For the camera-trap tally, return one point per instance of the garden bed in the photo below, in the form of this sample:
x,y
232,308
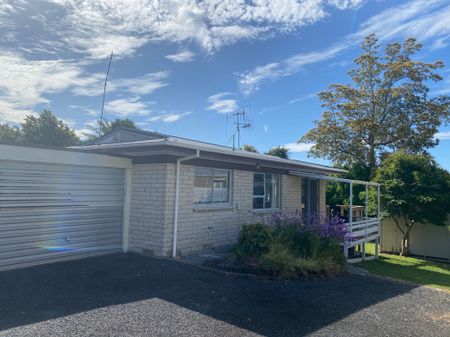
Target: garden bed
x,y
287,247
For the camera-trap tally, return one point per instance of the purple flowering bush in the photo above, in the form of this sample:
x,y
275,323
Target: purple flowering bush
x,y
332,227
299,244
335,228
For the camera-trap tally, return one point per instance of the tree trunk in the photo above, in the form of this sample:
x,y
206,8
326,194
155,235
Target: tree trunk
x,y
372,160
405,245
404,249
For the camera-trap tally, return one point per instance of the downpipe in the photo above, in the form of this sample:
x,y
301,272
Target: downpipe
x,y
177,199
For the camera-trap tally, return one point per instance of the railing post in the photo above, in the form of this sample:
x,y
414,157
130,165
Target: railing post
x,y
350,216
366,217
377,241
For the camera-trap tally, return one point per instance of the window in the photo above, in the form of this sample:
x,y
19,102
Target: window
x,y
266,189
211,185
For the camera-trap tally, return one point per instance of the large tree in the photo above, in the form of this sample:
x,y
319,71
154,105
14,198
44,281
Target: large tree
x,y
10,134
279,151
414,189
106,126
386,108
46,129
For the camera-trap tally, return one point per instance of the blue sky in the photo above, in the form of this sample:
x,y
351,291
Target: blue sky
x,y
181,67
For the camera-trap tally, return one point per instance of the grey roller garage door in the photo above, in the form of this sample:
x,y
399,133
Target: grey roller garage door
x,y
52,212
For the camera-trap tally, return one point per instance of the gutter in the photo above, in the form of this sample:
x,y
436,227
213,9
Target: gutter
x,y
177,199
193,145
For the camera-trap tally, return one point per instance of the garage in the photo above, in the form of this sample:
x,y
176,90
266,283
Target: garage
x,y
57,205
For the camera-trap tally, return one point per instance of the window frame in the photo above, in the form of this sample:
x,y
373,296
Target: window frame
x,y
211,202
276,186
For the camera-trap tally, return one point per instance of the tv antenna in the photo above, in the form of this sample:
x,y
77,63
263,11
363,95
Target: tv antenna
x,y
104,90
241,123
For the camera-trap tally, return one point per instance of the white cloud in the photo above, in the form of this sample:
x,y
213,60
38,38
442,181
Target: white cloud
x,y
222,103
168,117
183,56
84,133
97,27
444,135
345,4
424,19
124,107
139,85
303,98
27,83
298,147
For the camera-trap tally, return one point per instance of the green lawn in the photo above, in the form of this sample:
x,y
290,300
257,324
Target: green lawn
x,y
433,274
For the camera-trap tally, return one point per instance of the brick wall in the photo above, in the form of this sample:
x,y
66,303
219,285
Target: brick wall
x,y
199,226
148,226
203,226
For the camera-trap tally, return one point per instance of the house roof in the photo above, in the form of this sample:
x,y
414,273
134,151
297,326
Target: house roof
x,y
144,146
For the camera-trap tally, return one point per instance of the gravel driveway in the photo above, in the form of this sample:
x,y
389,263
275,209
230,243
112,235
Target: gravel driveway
x,y
132,295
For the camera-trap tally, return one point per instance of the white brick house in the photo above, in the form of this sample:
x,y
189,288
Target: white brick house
x,y
188,195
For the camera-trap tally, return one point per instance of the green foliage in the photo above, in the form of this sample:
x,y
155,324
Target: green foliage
x,y
44,129
254,240
430,273
108,126
249,148
279,151
386,109
309,245
414,189
338,193
279,261
289,253
10,134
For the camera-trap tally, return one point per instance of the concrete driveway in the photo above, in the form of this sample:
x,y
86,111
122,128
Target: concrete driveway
x,y
131,295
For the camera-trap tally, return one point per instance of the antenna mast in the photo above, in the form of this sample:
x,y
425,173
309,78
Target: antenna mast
x,y
104,90
240,123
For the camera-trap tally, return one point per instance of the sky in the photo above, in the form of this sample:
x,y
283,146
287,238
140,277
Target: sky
x,y
184,67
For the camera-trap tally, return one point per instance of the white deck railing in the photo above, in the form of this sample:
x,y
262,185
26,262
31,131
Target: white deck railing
x,y
363,231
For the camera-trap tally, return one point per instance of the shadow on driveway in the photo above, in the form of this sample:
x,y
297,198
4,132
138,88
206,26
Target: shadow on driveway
x,y
271,308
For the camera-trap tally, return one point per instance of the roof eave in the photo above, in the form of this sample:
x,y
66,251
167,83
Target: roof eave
x,y
187,144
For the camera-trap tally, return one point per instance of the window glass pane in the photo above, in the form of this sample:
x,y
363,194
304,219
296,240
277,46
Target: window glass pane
x,y
269,191
258,203
203,183
258,184
220,185
276,191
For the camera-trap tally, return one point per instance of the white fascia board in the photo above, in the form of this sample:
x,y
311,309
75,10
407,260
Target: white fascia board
x,y
194,145
241,153
67,157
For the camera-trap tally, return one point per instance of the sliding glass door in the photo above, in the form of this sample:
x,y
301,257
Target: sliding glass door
x,y
310,196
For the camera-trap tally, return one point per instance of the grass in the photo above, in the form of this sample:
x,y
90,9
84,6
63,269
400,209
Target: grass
x,y
411,269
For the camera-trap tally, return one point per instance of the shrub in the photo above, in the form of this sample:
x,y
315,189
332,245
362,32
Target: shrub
x,y
335,228
308,267
253,241
301,243
279,261
331,250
